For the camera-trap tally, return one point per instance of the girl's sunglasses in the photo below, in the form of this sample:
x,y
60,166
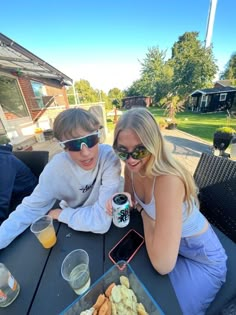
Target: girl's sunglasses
x,y
76,144
138,153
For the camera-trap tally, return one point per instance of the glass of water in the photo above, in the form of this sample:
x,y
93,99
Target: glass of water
x,y
75,270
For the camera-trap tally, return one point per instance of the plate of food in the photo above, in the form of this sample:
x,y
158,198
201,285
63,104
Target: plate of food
x,y
117,292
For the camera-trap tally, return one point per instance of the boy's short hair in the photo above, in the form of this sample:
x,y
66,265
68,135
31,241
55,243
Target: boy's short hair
x,y
72,119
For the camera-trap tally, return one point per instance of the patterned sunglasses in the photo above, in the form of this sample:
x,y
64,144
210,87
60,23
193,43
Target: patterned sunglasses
x,y
138,153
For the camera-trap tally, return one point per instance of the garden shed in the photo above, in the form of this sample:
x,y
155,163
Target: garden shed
x,y
136,101
218,98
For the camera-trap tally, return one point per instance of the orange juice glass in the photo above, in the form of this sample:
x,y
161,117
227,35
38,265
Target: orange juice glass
x,y
44,230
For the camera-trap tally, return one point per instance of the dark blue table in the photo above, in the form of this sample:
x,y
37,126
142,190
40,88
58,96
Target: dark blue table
x,y
44,291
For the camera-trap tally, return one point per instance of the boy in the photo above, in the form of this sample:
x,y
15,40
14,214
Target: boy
x,y
82,178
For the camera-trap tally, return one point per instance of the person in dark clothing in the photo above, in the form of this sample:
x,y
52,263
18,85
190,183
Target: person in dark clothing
x,y
16,179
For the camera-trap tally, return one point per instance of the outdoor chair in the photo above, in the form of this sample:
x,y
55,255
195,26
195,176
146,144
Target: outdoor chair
x,y
35,160
216,179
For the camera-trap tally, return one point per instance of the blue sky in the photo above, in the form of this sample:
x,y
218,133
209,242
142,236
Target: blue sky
x,y
102,41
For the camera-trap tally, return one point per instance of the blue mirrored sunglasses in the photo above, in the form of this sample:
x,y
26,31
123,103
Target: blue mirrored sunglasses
x,y
76,144
138,153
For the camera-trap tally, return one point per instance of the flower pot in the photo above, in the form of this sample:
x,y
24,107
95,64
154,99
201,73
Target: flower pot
x,y
221,140
171,126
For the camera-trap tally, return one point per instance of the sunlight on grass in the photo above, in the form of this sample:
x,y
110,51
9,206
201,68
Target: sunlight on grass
x,y
197,124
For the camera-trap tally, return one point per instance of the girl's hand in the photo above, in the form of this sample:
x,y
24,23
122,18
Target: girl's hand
x,y
54,213
109,202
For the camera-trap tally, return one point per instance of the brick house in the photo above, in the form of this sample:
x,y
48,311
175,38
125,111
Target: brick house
x,y
32,92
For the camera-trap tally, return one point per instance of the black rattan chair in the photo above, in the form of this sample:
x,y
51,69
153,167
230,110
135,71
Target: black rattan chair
x,y
35,160
216,179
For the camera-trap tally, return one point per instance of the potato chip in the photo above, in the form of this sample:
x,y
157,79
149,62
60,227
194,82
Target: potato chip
x,y
116,294
119,299
125,281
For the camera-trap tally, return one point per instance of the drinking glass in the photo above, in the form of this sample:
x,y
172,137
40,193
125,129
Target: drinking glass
x,y
75,270
44,230
9,287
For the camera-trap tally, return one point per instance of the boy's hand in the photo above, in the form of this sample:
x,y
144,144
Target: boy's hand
x,y
54,213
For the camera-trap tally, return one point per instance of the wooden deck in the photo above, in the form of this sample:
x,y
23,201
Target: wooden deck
x,y
50,145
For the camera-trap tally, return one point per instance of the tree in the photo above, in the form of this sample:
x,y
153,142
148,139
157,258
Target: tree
x,y
156,73
156,76
194,65
230,69
172,106
115,95
138,88
85,92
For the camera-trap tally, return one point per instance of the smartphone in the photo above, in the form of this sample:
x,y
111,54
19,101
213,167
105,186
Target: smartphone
x,y
127,247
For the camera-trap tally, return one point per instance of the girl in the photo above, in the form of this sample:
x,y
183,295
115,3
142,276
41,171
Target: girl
x,y
179,240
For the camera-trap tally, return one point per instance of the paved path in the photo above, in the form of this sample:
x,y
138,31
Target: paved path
x,y
185,147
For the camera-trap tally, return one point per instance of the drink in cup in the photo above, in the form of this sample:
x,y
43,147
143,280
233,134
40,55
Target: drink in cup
x,y
120,210
9,287
75,270
44,230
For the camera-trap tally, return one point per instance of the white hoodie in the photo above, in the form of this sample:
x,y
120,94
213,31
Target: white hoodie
x,y
82,193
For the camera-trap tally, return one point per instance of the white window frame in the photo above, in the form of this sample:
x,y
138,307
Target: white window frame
x,y
204,100
223,97
39,90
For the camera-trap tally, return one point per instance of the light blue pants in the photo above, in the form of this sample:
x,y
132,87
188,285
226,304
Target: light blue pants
x,y
199,273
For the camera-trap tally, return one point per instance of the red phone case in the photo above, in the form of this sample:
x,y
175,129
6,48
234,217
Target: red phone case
x,y
132,255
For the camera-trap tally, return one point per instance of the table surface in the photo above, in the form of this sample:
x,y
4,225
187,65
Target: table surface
x,y
38,270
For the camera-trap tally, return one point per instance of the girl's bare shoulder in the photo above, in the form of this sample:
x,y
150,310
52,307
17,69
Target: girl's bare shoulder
x,y
169,183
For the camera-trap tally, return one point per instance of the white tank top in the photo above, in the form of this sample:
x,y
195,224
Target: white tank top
x,y
192,223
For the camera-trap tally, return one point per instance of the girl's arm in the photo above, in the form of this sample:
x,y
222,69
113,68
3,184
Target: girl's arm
x,y
162,236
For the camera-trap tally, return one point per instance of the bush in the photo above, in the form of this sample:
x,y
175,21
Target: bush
x,y
222,137
162,123
227,130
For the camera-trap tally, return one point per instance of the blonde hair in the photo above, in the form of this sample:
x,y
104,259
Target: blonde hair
x,y
161,162
72,119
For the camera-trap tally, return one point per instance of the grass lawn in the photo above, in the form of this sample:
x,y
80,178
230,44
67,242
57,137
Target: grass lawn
x,y
197,124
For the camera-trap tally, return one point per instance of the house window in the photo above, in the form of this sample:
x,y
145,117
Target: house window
x,y
11,99
223,97
204,100
39,91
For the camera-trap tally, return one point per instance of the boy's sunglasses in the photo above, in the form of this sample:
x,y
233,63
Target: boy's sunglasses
x,y
76,144
138,153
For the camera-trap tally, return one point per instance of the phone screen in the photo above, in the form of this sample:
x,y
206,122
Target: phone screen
x,y
127,247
